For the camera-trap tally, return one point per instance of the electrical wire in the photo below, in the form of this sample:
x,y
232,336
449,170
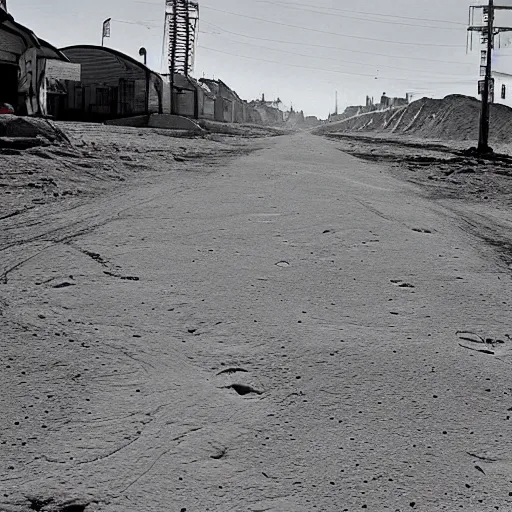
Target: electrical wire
x,y
333,70
361,38
334,59
298,7
331,9
312,45
394,16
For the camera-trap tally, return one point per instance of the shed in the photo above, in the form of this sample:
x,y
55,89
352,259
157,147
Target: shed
x,y
113,85
23,63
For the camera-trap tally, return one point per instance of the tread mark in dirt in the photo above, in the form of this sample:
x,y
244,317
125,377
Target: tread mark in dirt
x,y
104,263
107,455
63,285
485,459
478,468
401,284
95,256
13,214
231,371
374,210
123,278
426,231
483,351
244,390
282,264
476,338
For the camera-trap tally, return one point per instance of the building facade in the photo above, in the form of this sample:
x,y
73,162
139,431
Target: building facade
x,y
30,69
113,85
229,108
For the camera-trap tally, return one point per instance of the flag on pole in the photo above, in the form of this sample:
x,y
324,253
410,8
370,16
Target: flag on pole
x,y
106,28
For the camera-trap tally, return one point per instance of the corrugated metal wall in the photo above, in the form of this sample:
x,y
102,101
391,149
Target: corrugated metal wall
x,y
112,85
11,46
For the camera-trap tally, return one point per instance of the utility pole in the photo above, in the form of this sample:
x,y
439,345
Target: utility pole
x,y
489,31
483,139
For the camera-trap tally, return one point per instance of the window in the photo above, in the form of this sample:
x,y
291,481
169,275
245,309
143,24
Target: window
x,y
503,92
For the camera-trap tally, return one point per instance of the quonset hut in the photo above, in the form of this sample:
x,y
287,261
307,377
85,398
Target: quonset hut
x,y
113,85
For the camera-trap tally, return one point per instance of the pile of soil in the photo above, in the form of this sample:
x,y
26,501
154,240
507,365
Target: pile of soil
x,y
245,130
454,118
26,128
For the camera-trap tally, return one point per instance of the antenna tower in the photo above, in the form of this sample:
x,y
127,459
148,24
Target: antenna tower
x,y
181,29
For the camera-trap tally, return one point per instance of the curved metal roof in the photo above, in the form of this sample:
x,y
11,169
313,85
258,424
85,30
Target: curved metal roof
x,y
117,53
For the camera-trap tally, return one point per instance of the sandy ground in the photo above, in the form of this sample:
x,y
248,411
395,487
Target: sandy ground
x,y
288,329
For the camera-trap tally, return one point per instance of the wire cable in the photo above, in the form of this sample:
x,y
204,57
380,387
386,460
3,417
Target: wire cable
x,y
312,45
303,8
334,59
334,70
394,16
361,38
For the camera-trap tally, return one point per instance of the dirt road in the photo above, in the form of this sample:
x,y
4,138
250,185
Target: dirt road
x,y
279,333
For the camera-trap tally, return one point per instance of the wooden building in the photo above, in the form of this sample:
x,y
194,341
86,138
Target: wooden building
x,y
29,69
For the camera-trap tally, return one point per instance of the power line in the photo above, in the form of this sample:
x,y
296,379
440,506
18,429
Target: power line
x,y
335,47
369,13
334,59
148,25
404,43
298,7
333,70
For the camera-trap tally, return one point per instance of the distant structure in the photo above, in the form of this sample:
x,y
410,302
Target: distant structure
x,y
268,112
386,102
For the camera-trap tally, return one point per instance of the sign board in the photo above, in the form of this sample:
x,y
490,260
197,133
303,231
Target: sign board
x,y
60,70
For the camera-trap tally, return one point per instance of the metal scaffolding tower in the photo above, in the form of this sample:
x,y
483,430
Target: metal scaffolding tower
x,y
181,29
181,25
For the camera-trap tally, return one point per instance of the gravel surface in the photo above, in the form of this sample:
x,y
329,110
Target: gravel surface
x,y
287,328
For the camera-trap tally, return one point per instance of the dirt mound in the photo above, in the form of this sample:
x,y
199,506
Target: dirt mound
x,y
28,127
454,118
242,130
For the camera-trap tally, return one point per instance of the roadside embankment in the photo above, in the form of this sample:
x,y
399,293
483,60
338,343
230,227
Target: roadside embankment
x,y
454,118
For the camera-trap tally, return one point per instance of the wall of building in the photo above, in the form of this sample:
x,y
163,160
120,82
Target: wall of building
x,y
112,85
502,64
23,59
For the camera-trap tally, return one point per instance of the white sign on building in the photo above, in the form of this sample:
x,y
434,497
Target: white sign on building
x,y
60,70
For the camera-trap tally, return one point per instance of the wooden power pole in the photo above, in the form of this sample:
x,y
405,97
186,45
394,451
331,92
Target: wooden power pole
x,y
483,139
488,32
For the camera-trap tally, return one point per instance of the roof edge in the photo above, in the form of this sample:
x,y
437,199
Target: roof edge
x,y
117,53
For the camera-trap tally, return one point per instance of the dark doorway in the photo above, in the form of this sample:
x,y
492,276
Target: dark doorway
x,y
9,84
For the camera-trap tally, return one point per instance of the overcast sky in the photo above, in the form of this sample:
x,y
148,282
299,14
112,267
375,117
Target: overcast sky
x,y
301,53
